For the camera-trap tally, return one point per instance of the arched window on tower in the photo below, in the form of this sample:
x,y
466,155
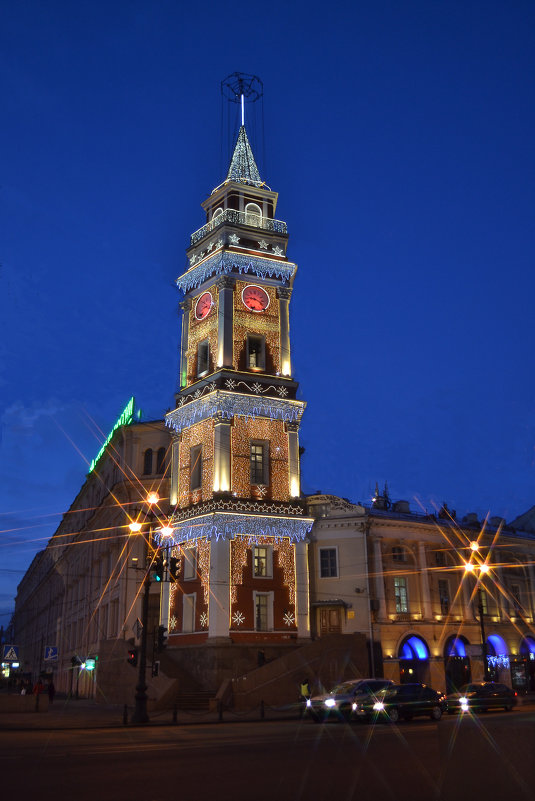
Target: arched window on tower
x,y
253,214
160,461
147,462
216,216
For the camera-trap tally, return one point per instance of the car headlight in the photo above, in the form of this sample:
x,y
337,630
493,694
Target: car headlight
x,y
464,707
354,706
309,702
463,700
330,702
378,706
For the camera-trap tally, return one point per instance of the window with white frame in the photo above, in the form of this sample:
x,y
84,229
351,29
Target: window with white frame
x,y
398,554
256,352
259,461
262,561
188,612
400,594
328,563
190,564
261,611
253,214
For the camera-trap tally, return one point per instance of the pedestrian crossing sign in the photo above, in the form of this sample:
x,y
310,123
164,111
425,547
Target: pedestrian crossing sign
x,y
51,653
11,653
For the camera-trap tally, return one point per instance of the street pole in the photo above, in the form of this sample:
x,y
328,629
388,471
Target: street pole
x,y
483,636
140,712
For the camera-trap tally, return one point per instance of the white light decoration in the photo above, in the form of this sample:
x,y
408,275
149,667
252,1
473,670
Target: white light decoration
x,y
238,618
229,404
233,239
263,245
222,525
289,618
226,263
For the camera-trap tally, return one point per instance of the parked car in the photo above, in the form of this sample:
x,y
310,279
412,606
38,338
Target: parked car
x,y
339,702
402,701
481,696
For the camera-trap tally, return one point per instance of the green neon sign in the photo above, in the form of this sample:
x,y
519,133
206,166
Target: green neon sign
x,y
126,417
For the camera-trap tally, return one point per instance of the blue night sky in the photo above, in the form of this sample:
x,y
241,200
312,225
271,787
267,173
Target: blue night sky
x,y
400,138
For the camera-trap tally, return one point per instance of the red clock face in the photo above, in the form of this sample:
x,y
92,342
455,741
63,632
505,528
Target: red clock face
x,y
204,304
255,298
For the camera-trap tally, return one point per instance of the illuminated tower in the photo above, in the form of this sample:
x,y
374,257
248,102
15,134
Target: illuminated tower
x,y
238,521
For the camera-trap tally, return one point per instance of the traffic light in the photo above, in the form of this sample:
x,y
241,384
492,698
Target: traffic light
x,y
132,657
173,568
162,638
158,568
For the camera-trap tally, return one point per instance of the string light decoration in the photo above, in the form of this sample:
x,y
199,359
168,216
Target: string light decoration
x,y
222,525
272,431
203,566
286,560
202,434
229,404
238,560
200,330
227,263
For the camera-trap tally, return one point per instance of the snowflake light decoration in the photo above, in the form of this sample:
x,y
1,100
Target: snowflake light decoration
x,y
192,260
282,391
289,618
233,239
210,246
257,388
230,383
238,618
203,620
173,623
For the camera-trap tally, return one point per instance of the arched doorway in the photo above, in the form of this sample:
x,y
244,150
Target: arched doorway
x,y
497,658
523,671
456,663
413,660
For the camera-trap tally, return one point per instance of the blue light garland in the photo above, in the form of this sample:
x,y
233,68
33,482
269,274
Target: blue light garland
x,y
230,404
226,526
226,263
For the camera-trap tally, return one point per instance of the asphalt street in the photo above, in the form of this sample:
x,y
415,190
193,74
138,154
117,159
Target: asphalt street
x,y
458,758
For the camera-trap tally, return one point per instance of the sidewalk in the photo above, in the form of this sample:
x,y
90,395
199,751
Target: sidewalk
x,y
87,714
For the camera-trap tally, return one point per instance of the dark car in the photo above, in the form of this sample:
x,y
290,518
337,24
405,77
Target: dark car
x,y
340,701
402,701
481,696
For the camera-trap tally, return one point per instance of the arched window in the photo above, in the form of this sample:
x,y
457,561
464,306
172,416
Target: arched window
x,y
455,646
496,645
253,214
147,462
160,461
216,215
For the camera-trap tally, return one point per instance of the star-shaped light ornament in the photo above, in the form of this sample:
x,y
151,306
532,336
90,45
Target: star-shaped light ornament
x,y
202,254
210,246
263,245
192,260
233,239
219,243
278,251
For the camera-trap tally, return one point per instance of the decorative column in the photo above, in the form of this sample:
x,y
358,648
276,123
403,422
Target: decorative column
x,y
424,583
293,460
302,598
284,294
185,305
225,321
175,470
379,583
502,602
219,604
222,427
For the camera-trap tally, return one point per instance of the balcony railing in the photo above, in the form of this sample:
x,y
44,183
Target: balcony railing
x,y
239,218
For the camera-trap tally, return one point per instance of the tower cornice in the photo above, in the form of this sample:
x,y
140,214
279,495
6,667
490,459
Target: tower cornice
x,y
226,263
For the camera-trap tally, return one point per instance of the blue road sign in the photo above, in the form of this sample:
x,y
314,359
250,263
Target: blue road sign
x,y
51,653
11,653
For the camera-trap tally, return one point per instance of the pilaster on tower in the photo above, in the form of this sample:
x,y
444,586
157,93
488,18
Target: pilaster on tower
x,y
235,479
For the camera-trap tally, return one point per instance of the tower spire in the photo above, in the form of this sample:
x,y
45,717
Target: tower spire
x,y
243,167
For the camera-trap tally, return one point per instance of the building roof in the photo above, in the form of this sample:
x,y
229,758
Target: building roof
x,y
524,522
243,167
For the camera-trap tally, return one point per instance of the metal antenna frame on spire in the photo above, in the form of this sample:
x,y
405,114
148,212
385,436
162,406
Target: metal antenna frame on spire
x,y
242,88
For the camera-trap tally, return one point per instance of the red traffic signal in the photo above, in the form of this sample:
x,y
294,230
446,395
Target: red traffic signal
x,y
132,657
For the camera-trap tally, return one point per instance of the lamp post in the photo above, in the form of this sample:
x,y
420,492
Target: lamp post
x,y
140,712
483,568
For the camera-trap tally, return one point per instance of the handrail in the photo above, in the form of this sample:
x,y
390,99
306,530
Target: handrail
x,y
239,218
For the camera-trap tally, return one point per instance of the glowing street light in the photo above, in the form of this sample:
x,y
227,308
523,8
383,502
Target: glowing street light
x,y
484,568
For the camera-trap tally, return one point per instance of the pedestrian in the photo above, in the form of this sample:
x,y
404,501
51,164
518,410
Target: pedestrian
x,y
51,691
38,687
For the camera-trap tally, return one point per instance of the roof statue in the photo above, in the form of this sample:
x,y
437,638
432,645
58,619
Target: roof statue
x,y
243,167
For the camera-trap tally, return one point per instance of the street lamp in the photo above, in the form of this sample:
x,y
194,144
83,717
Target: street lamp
x,y
140,712
483,568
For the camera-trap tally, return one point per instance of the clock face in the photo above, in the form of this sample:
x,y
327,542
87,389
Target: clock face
x,y
204,304
255,298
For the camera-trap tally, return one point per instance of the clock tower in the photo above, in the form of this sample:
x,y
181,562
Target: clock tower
x,y
239,527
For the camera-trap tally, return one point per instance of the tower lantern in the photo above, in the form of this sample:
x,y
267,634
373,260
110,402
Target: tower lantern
x,y
239,528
